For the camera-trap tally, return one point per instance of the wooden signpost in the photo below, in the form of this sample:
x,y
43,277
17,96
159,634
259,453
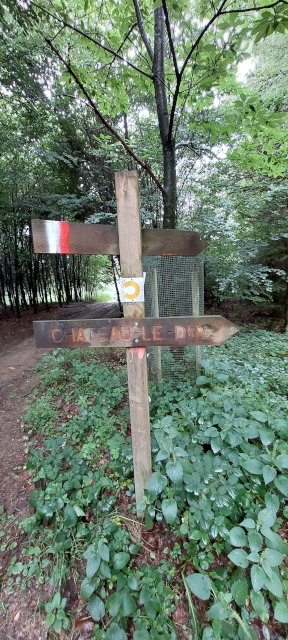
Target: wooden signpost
x,y
133,331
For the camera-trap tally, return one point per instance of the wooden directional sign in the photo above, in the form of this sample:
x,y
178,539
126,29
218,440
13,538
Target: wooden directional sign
x,y
129,332
133,331
53,236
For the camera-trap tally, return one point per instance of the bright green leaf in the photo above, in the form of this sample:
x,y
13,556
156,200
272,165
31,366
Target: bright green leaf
x,y
200,585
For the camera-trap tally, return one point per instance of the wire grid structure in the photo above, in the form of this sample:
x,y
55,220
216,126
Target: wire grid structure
x,y
174,286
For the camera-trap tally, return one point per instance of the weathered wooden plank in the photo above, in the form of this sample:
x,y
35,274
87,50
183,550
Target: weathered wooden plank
x,y
133,332
172,242
53,236
130,243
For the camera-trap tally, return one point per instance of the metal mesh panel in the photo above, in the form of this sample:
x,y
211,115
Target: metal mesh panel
x,y
174,286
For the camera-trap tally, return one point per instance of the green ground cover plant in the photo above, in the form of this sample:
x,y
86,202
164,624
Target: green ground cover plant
x,y
219,492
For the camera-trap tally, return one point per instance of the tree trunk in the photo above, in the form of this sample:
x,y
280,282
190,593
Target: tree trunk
x,y
170,187
169,156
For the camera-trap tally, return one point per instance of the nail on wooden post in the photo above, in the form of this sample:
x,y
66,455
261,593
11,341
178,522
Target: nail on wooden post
x,y
156,315
130,243
195,312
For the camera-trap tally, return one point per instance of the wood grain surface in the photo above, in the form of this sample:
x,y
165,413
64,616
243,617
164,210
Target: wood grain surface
x,y
103,239
133,332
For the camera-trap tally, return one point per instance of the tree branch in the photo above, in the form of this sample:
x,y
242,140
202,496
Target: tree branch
x,y
194,46
267,6
167,22
100,116
143,31
99,44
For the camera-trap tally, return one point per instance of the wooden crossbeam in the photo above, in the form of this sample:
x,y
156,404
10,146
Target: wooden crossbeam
x,y
53,236
133,332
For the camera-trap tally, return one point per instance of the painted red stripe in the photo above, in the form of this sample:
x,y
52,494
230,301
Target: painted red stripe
x,y
64,237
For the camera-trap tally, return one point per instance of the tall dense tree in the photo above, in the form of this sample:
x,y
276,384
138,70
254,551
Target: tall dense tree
x,y
170,58
217,147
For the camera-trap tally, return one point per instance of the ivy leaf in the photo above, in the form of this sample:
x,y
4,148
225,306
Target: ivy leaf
x,y
267,567
146,594
238,537
121,581
132,583
239,592
49,620
218,611
274,541
259,416
157,483
202,380
127,605
200,585
115,632
79,512
258,605
281,482
161,455
272,501
281,426
113,604
253,557
70,516
257,577
266,436
239,557
169,509
284,462
148,522
96,607
33,499
253,466
274,585
281,612
93,564
255,541
181,453
273,557
141,506
216,444
248,523
121,559
141,635
103,551
174,471
269,473
266,517
87,588
105,570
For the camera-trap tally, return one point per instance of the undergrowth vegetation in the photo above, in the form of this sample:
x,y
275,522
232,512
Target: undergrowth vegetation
x,y
217,499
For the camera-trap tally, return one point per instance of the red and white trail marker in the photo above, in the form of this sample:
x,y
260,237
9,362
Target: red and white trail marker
x,y
57,236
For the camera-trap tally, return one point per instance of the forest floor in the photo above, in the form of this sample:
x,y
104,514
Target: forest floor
x,y
18,355
19,619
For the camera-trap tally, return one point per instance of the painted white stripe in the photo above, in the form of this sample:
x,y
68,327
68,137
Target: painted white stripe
x,y
52,231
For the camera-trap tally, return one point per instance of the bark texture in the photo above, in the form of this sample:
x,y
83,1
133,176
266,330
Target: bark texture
x,y
168,148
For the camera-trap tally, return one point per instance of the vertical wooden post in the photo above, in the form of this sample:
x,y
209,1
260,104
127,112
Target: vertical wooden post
x,y
130,243
195,312
156,315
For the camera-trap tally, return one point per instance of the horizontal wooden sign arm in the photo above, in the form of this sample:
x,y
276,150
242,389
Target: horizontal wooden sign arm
x,y
133,332
54,236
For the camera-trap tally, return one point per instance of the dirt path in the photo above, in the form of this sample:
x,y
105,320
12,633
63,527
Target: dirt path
x,y
19,619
